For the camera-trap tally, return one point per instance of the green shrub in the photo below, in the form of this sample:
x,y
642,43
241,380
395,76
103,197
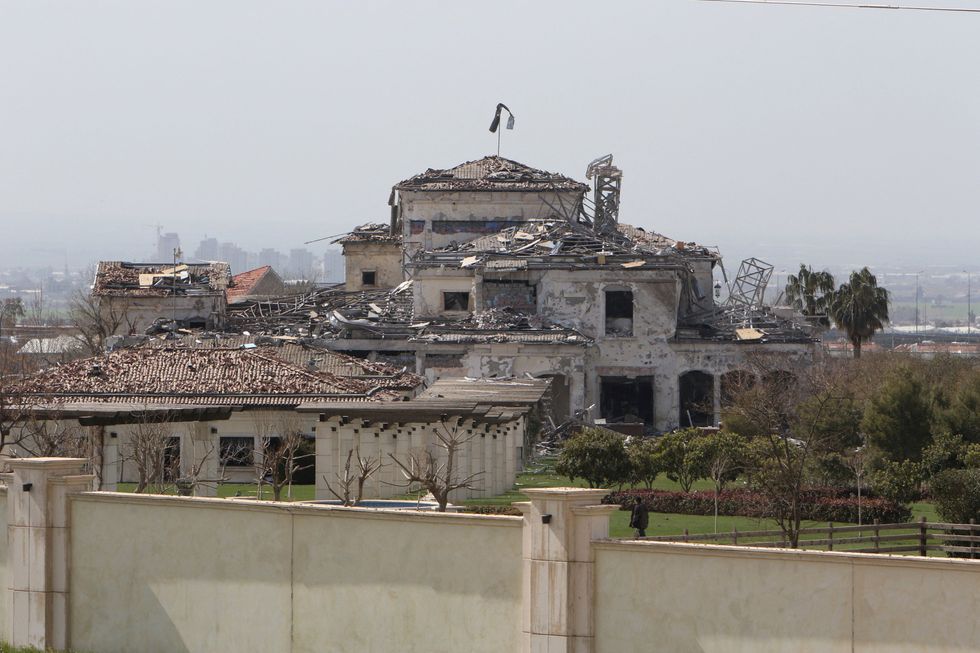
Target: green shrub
x,y
956,494
901,482
596,455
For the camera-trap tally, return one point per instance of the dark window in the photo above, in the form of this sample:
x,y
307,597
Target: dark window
x,y
171,459
619,313
368,277
697,397
237,451
456,301
627,400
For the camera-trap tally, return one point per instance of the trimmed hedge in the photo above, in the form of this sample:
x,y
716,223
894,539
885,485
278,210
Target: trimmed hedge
x,y
493,510
818,504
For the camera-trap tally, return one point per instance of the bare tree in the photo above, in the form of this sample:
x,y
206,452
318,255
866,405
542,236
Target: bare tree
x,y
438,475
16,406
152,451
193,476
280,455
355,475
98,320
45,438
790,418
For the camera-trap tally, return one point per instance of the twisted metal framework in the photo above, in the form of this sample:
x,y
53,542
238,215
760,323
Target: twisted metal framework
x,y
749,287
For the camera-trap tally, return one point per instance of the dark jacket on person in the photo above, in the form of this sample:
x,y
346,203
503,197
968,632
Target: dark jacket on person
x,y
640,517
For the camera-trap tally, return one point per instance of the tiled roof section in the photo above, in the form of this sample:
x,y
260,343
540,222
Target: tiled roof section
x,y
119,279
199,376
300,353
243,283
375,232
491,173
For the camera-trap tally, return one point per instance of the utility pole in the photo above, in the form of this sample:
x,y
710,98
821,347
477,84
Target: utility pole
x,y
173,288
969,303
917,301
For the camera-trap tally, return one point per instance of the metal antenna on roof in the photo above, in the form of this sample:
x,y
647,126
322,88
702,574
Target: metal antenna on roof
x,y
496,122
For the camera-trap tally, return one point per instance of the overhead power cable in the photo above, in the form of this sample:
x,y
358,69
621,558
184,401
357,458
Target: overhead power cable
x,y
803,3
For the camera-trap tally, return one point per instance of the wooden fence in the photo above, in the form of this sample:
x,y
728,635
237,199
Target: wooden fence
x,y
920,538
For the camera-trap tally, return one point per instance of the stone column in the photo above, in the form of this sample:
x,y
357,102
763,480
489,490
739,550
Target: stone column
x,y
38,548
557,605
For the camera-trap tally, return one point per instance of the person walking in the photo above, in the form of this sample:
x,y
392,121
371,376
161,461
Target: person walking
x,y
639,518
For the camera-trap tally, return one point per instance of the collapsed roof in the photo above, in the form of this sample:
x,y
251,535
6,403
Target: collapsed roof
x,y
120,279
491,173
550,241
375,232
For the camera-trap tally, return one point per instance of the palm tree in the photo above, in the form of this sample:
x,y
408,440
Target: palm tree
x,y
860,308
810,292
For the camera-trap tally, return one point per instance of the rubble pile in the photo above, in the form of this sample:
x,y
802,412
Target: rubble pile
x,y
490,173
119,279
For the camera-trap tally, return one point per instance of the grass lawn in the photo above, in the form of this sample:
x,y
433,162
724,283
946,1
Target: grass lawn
x,y
542,474
226,490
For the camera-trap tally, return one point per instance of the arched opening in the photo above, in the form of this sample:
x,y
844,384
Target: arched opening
x,y
697,393
733,383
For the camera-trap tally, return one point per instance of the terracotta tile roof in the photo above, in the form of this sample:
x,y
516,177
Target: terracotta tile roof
x,y
243,283
491,173
120,279
199,376
297,353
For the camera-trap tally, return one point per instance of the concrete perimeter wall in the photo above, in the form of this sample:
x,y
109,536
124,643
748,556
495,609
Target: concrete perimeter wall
x,y
689,598
4,574
168,575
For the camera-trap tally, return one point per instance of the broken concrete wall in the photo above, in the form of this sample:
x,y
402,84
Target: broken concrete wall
x,y
202,311
576,298
429,290
384,259
435,219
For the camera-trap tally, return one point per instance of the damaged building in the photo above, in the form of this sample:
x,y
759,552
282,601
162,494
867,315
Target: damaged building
x,y
510,271
132,296
219,403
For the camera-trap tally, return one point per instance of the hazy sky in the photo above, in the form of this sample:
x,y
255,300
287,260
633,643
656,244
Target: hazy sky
x,y
827,135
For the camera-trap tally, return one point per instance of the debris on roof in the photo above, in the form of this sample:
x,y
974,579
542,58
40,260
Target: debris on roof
x,y
206,377
119,279
550,241
491,173
377,232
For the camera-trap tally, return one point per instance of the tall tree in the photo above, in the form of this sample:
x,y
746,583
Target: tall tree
x,y
860,308
810,293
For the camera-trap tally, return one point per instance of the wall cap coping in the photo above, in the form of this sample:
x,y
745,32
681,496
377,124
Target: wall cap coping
x,y
786,555
299,508
601,509
523,506
46,463
566,493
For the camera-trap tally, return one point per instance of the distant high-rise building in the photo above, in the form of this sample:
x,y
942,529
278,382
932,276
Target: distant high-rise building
x,y
166,244
301,264
207,250
235,256
269,256
333,266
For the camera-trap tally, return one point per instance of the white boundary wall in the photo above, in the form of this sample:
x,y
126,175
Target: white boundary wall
x,y
695,598
108,572
168,574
